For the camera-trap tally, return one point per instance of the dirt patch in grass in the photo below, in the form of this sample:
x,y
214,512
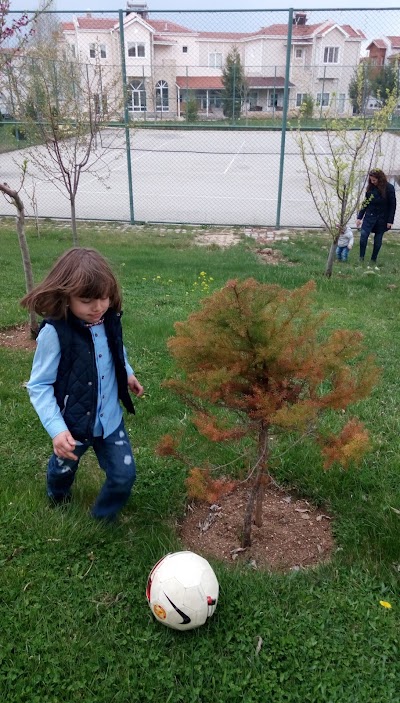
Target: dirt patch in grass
x,y
294,535
273,257
17,337
220,239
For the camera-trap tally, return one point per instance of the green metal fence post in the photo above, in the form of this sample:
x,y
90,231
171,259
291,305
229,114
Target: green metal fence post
x,y
234,93
284,117
126,115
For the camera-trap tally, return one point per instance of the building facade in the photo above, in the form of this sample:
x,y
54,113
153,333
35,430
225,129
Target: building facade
x,y
166,63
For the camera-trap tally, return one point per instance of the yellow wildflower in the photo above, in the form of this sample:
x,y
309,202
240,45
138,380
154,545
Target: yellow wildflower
x,y
385,604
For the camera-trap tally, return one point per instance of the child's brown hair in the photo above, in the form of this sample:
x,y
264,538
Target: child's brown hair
x,y
81,272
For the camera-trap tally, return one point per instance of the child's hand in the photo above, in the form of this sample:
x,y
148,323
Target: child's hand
x,y
134,386
63,444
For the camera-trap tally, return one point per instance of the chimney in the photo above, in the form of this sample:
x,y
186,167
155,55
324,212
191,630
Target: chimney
x,y
300,18
139,8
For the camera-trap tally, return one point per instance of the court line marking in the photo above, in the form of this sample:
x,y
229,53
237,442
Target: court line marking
x,y
234,157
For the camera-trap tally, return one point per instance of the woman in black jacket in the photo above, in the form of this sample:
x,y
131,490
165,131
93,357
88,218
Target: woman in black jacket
x,y
377,211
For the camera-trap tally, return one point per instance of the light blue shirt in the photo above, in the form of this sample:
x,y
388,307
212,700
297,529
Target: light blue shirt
x,y
44,373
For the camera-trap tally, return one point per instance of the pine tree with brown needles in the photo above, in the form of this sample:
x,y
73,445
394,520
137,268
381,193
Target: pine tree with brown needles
x,y
252,362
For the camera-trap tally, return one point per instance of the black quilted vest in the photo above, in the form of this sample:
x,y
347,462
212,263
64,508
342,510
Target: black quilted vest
x,y
76,385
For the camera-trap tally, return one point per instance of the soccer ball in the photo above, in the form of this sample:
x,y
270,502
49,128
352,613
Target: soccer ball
x,y
182,590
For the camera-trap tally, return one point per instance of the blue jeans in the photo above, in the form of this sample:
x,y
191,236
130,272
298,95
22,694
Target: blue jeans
x,y
115,457
342,253
372,222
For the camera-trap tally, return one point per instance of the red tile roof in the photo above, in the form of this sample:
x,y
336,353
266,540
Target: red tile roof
x,y
167,26
395,42
303,31
97,22
379,43
281,30
225,35
159,38
103,23
353,32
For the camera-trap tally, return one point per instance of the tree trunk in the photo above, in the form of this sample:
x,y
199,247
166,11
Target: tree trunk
x,y
256,496
23,245
331,258
73,222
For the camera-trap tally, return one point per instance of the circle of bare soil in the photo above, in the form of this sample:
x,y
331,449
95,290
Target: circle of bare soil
x,y
17,337
294,534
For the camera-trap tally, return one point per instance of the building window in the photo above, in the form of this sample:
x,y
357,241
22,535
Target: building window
x,y
215,60
331,54
301,98
92,51
103,51
298,53
162,103
136,50
138,95
73,50
272,98
341,102
252,98
214,99
323,99
184,49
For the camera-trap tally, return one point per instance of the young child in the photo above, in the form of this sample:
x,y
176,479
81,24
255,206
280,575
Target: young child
x,y
80,372
345,243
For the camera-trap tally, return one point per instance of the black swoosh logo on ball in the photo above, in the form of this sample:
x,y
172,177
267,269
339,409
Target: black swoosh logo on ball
x,y
185,618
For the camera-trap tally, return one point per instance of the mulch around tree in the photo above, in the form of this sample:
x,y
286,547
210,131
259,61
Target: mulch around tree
x,y
294,535
17,337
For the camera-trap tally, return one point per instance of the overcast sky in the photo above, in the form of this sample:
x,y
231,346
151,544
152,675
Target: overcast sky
x,y
162,5
374,23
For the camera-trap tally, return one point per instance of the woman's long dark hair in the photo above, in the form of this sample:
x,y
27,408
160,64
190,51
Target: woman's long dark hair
x,y
81,272
382,181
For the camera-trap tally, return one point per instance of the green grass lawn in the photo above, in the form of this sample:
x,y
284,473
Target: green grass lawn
x,y
75,625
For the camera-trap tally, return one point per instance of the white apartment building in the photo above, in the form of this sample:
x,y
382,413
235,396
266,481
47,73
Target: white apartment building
x,y
166,62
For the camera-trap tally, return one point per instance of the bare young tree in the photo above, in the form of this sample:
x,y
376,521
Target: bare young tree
x,y
65,104
13,196
336,178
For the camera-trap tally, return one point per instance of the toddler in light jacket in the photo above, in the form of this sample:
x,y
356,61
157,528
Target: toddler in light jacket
x,y
345,243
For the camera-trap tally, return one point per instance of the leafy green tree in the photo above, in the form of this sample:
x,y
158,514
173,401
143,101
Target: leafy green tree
x,y
307,106
192,108
368,80
359,88
385,82
235,85
252,363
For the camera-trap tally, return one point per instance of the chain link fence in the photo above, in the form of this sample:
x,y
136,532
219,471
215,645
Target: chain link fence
x,y
188,117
